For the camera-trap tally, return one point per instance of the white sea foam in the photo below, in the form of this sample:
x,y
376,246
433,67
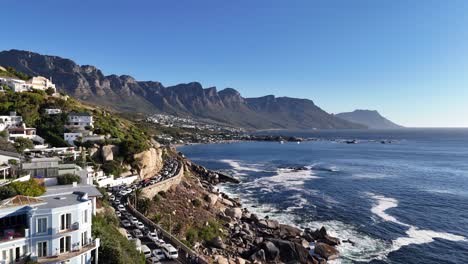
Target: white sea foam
x,y
365,176
414,235
238,167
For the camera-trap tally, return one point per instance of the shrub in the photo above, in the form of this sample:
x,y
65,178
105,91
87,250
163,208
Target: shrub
x,y
157,198
23,143
115,248
112,167
50,91
162,194
27,188
196,202
210,231
68,179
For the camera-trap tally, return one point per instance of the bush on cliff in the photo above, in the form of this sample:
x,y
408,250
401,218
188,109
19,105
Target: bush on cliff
x,y
115,248
68,179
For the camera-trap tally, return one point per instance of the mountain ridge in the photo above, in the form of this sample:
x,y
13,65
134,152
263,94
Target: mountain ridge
x,y
125,93
370,118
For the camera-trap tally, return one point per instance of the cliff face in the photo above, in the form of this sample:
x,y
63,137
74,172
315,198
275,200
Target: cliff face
x,y
149,162
124,93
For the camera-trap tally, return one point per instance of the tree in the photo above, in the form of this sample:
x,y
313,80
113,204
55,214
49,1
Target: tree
x,y
27,188
68,179
50,91
22,143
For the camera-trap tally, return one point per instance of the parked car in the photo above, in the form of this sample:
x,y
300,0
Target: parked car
x,y
159,242
121,208
118,214
126,223
146,251
152,236
158,253
152,260
170,251
129,236
140,225
133,220
137,233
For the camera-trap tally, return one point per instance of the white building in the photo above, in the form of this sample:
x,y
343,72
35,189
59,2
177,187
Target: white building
x,y
80,121
53,228
37,83
24,132
71,137
11,120
53,111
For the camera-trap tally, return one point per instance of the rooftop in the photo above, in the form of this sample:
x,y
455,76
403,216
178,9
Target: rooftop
x,y
69,189
61,200
79,114
10,154
20,200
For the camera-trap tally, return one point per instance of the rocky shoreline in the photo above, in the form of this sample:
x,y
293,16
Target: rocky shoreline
x,y
251,239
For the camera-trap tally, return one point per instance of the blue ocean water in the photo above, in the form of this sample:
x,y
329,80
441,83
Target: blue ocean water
x,y
405,202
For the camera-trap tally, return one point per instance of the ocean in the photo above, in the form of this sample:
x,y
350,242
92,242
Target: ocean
x,y
404,202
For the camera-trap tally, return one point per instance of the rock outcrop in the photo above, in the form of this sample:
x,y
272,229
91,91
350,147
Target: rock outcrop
x,y
108,152
149,162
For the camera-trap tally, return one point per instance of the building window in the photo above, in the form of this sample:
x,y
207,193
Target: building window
x,y
65,221
41,226
85,216
65,244
84,238
42,249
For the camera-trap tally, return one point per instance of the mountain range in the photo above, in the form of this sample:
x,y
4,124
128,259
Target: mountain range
x,y
370,118
124,93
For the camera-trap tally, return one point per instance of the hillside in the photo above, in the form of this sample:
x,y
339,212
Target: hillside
x,y
126,94
369,118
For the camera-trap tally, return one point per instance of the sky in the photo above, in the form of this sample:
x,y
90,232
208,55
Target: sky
x,y
406,59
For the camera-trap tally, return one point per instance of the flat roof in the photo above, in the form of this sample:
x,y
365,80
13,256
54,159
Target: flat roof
x,y
79,114
61,200
69,189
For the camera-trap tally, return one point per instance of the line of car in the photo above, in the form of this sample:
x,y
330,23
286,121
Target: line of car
x,y
154,248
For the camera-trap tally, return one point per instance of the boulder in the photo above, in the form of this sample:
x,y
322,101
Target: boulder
x,y
108,152
271,251
287,231
212,198
217,242
321,235
326,251
234,212
258,256
270,224
221,260
149,162
240,260
93,152
290,251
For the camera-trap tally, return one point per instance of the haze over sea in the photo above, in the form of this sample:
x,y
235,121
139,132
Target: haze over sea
x,y
405,202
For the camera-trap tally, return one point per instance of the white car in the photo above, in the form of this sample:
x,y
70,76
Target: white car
x,y
133,220
159,242
121,208
159,254
126,223
129,236
111,198
170,251
140,225
137,233
152,236
118,214
152,260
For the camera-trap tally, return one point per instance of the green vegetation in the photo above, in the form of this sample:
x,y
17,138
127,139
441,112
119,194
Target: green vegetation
x,y
11,72
115,248
196,202
27,188
68,179
23,143
205,233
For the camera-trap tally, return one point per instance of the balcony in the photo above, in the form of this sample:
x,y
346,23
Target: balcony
x,y
13,234
92,244
73,227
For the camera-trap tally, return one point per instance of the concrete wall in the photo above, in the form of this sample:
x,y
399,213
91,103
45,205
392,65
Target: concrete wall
x,y
165,185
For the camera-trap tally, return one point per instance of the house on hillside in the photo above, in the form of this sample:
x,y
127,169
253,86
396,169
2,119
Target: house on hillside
x,y
24,132
53,228
53,111
35,83
80,121
11,120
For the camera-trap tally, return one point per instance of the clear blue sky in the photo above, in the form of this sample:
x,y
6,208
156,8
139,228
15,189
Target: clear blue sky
x,y
407,59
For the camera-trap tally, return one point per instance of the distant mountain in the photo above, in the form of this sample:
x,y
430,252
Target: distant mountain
x,y
124,93
369,118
